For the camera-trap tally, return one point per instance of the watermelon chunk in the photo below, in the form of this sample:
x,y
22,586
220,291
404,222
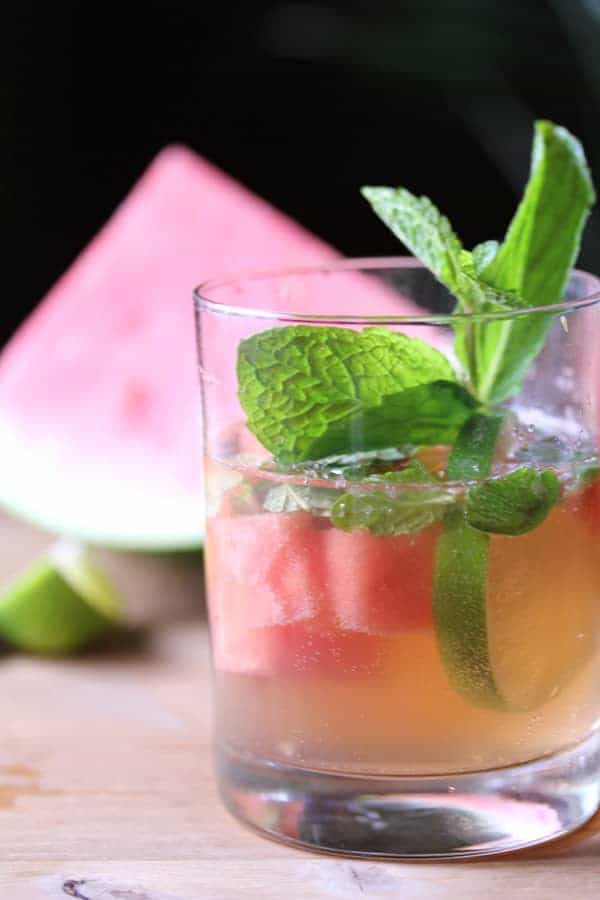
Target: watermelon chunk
x,y
269,599
385,584
99,395
265,578
264,569
269,602
288,593
300,649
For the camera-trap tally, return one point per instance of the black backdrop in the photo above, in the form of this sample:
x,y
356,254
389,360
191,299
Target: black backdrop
x,y
302,101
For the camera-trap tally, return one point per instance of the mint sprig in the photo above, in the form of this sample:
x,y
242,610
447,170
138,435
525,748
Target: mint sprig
x,y
429,236
529,269
535,259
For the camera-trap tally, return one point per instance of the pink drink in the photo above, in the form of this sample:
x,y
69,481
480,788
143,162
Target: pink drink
x,y
327,656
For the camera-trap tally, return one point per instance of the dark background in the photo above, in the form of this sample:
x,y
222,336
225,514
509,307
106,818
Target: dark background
x,y
302,101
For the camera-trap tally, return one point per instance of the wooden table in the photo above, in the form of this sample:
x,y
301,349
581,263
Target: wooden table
x,y
107,793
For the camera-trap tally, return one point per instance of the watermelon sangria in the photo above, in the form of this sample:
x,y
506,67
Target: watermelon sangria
x,y
403,574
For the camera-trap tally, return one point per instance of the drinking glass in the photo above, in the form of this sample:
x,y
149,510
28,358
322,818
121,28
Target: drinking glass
x,y
356,711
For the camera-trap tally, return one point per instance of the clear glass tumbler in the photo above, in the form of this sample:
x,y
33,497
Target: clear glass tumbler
x,y
369,699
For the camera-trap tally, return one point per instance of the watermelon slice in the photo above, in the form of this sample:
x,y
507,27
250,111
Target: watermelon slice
x,y
99,395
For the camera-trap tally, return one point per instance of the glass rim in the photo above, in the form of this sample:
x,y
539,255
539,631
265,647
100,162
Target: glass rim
x,y
366,264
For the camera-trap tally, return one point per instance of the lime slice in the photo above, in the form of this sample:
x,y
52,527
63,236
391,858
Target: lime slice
x,y
515,616
60,604
518,618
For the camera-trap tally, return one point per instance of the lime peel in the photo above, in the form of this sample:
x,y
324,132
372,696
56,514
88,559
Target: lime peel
x,y
461,571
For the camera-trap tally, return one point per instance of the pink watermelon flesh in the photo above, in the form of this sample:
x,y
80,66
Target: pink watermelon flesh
x,y
265,569
99,396
387,583
289,594
301,649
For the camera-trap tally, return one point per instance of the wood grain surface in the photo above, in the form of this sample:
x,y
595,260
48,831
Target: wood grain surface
x,y
107,792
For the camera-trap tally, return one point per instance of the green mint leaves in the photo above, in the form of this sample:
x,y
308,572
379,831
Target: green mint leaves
x,y
428,235
422,228
530,267
293,497
313,392
389,511
535,259
514,504
511,505
543,239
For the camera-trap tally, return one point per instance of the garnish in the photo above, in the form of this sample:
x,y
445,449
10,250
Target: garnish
x,y
312,392
514,504
292,497
529,269
59,604
393,512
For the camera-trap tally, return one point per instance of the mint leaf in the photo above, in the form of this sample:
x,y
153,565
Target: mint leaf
x,y
312,392
413,473
530,268
514,504
429,236
393,512
427,414
293,497
543,239
421,227
535,258
483,254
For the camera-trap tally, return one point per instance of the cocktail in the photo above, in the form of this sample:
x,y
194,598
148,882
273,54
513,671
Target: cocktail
x,y
402,538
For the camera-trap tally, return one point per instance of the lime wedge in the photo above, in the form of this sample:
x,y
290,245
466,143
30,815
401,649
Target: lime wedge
x,y
59,604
